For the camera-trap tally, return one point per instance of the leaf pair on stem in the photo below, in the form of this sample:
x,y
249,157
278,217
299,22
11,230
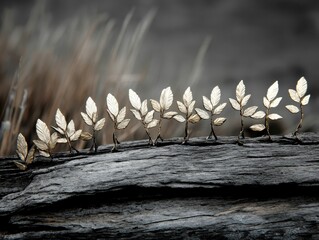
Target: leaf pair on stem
x,y
187,107
299,96
117,116
270,101
90,118
25,155
214,108
141,113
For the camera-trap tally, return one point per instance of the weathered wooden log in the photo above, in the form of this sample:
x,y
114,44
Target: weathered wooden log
x,y
206,190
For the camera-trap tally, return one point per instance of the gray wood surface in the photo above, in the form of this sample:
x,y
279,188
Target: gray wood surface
x,y
203,190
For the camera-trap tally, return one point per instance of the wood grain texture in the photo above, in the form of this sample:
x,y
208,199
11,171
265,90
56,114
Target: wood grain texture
x,y
198,191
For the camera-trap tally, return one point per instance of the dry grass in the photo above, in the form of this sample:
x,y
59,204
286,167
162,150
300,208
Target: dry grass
x,y
43,68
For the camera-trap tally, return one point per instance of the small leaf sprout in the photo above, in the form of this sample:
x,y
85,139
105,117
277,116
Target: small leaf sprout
x,y
270,101
187,108
142,114
67,131
165,102
25,155
46,142
90,118
214,108
117,116
299,96
239,104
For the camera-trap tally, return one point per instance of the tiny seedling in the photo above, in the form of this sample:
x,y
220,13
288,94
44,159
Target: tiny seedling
x,y
67,131
117,116
90,118
25,155
270,101
187,108
165,102
239,104
214,108
142,114
299,96
46,142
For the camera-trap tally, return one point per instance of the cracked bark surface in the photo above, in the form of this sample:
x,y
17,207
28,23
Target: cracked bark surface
x,y
202,190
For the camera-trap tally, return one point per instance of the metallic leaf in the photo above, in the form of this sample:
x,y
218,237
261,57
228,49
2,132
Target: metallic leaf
x,y
301,87
235,105
203,114
169,115
266,102
292,108
144,108
155,105
195,118
294,95
21,166
76,135
136,114
245,100
91,108
215,96
100,124
219,109
207,104
181,107
305,100
112,104
149,117
187,97
85,136
219,121
134,100
41,145
123,124
191,107
166,99
274,116
272,91
120,117
60,120
275,102
257,127
153,123
31,155
22,147
250,111
179,118
240,91
86,119
258,115
42,131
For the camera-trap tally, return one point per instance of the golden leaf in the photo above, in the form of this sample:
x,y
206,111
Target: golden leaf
x,y
123,124
112,104
30,156
219,109
86,119
219,121
99,125
155,105
21,166
41,145
301,87
134,100
272,91
257,127
207,104
195,118
240,91
215,96
60,120
235,105
202,114
42,131
91,109
187,97
85,136
292,108
22,147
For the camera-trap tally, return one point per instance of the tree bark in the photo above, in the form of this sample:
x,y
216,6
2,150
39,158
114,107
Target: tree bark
x,y
208,190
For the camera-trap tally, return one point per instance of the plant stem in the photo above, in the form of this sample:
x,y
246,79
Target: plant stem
x,y
94,141
186,136
115,142
150,140
159,131
267,124
300,122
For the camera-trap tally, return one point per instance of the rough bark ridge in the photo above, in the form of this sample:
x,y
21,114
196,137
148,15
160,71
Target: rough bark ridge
x,y
202,190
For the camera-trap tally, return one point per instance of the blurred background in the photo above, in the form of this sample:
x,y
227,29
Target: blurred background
x,y
57,53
